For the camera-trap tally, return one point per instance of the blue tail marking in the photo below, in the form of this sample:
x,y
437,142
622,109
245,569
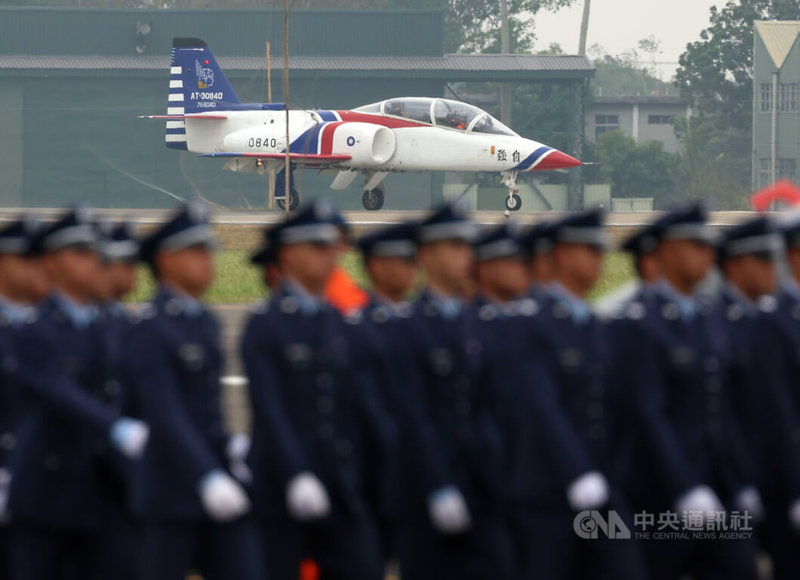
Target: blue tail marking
x,y
196,85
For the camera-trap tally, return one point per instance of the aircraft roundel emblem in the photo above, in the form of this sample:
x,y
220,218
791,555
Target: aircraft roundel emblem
x,y
351,141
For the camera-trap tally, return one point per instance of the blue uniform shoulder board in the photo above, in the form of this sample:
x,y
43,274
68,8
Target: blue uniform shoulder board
x,y
260,308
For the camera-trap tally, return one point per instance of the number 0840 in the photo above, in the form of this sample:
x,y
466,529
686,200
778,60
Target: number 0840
x,y
258,142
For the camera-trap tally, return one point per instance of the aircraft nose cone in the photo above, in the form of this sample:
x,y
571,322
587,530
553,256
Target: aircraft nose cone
x,y
557,160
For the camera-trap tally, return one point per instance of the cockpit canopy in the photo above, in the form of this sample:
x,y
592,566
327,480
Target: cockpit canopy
x,y
439,112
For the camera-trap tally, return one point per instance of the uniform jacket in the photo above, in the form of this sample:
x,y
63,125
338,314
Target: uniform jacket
x,y
64,425
449,378
678,370
176,387
313,405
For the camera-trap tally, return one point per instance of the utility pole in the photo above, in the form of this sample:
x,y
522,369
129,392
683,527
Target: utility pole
x,y
587,4
287,192
271,173
505,48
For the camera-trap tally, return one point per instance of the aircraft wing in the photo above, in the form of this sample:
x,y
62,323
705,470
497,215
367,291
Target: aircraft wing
x,y
308,159
184,117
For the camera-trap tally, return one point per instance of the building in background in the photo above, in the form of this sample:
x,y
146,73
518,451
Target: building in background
x,y
643,118
776,102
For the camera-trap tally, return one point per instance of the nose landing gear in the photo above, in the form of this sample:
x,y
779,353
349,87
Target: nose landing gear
x,y
513,201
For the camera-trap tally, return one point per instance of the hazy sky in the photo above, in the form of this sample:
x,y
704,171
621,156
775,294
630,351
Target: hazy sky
x,y
618,25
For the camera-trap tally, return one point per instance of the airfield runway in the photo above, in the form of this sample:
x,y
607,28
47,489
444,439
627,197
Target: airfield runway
x,y
361,219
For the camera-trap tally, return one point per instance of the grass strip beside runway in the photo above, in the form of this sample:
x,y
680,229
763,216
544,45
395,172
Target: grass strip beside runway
x,y
239,282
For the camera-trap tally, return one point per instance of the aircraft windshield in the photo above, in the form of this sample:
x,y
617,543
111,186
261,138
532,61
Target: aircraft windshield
x,y
414,109
442,113
488,124
454,114
373,108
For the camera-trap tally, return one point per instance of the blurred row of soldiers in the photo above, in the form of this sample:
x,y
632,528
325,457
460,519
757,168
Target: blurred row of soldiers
x,y
459,435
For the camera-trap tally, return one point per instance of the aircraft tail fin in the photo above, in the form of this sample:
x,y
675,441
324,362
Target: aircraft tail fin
x,y
196,85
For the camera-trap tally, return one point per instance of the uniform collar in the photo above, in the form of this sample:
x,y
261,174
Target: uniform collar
x,y
307,303
547,289
179,302
579,310
393,309
686,305
80,315
449,306
792,288
736,297
503,309
14,312
113,309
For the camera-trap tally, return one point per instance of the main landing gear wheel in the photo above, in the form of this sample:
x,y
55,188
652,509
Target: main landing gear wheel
x,y
373,199
514,202
294,201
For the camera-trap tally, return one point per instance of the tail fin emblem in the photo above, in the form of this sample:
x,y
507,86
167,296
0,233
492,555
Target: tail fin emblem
x,y
205,76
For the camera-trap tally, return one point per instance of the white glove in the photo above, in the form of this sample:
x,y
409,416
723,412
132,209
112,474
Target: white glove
x,y
448,511
700,498
237,450
794,514
307,498
130,436
223,498
5,488
749,500
588,492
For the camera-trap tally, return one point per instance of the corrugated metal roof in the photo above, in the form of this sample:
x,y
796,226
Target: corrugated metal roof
x,y
779,38
495,65
90,31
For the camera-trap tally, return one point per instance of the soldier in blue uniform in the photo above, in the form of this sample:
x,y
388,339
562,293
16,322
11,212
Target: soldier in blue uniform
x,y
389,256
58,500
689,453
119,257
760,391
539,245
455,527
390,263
314,411
193,510
574,409
500,268
642,247
502,310
16,241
